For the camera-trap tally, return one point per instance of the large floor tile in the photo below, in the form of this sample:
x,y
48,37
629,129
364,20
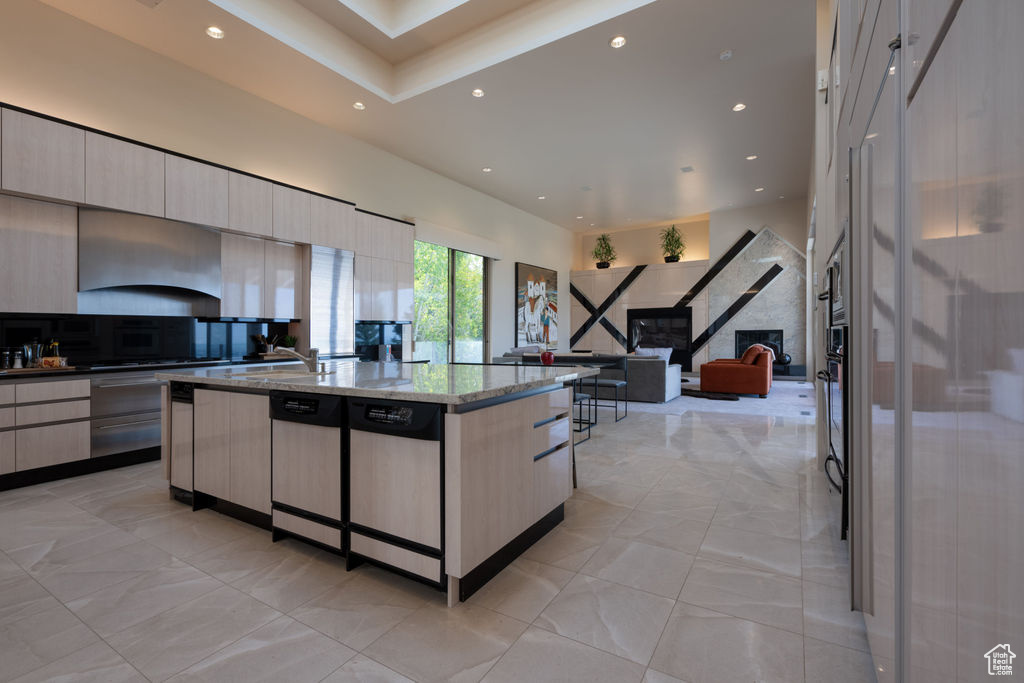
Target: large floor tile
x,y
828,617
683,506
295,578
186,533
540,655
362,669
567,548
611,493
522,589
39,639
283,650
640,565
133,601
827,563
748,516
364,608
828,662
97,663
46,522
438,643
770,553
52,554
94,572
703,646
22,596
611,617
664,529
739,591
174,640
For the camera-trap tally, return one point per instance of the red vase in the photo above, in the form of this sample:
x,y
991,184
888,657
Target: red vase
x,y
547,358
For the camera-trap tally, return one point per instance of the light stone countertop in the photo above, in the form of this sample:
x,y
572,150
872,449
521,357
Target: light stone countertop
x,y
423,382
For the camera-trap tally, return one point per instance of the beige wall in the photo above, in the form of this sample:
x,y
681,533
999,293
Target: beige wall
x,y
58,65
641,246
787,219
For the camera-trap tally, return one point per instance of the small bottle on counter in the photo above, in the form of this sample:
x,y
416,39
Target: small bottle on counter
x,y
17,360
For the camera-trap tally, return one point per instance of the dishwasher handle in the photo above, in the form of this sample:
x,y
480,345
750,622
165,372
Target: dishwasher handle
x,y
396,418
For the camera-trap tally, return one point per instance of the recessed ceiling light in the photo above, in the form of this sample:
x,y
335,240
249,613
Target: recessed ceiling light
x,y
758,189
359,105
579,218
892,70
751,157
617,42
687,169
725,55
782,196
586,188
541,197
871,136
486,169
591,225
215,32
477,92
739,106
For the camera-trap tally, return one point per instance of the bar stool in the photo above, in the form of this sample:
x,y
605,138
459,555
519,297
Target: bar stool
x,y
615,385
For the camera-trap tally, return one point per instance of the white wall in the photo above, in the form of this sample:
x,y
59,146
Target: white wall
x,y
787,219
55,64
642,246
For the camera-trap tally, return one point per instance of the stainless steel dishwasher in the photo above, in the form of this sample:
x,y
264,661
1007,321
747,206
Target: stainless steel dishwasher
x,y
307,486
396,484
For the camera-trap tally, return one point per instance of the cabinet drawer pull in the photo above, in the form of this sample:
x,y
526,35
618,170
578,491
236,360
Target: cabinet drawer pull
x,y
549,451
129,424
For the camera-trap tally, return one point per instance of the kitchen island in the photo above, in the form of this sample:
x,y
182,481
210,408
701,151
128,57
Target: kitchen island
x,y
443,473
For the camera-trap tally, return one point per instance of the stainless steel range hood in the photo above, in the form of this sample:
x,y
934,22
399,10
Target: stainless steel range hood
x,y
131,264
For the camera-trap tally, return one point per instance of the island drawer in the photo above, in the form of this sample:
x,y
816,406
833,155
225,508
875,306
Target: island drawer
x,y
6,417
552,480
401,558
547,405
6,394
307,528
550,435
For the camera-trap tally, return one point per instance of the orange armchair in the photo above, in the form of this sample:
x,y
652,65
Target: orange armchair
x,y
751,374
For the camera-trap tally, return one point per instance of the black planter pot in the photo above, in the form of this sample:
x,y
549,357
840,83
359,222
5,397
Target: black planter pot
x,y
671,259
603,264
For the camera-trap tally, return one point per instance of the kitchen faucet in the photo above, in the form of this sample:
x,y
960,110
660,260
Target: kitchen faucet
x,y
311,362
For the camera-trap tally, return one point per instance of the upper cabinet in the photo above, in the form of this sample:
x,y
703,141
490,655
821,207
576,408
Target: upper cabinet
x,y
291,214
38,256
332,223
242,270
42,157
250,205
196,192
283,281
121,175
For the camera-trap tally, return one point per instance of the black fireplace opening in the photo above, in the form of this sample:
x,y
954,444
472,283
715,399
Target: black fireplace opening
x,y
770,338
662,328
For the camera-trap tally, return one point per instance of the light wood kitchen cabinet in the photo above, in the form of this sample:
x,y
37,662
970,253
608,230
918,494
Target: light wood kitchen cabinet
x,y
7,457
404,237
307,459
124,176
404,282
365,224
38,256
181,444
34,392
382,277
250,205
243,276
382,238
332,223
250,452
42,157
283,280
51,445
231,447
211,443
291,214
196,192
362,289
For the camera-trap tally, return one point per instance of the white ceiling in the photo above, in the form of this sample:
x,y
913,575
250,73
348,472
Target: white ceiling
x,y
563,110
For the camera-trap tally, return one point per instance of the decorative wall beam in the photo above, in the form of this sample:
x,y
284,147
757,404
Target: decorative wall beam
x,y
714,270
598,313
736,307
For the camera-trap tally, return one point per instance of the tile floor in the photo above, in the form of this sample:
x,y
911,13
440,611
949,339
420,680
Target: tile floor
x,y
700,546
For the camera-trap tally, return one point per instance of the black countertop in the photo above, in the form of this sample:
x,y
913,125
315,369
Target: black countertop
x,y
30,373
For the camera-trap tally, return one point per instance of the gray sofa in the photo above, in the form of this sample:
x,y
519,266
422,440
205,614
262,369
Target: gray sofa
x,y
648,378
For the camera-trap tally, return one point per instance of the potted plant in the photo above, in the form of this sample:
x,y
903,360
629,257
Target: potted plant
x,y
289,341
604,252
672,244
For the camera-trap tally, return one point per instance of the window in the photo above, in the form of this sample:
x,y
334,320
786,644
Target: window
x,y
450,297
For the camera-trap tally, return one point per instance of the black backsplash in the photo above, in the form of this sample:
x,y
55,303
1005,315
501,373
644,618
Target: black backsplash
x,y
370,335
111,339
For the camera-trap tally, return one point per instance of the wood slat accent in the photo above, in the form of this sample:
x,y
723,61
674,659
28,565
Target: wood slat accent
x,y
42,446
52,391
420,565
307,528
395,486
307,467
52,412
250,451
181,445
